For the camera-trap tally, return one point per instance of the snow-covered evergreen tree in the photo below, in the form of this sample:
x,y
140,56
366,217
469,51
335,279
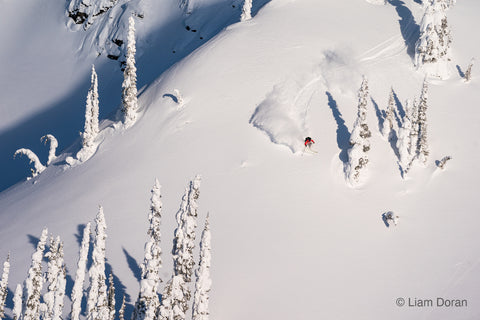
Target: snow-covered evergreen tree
x,y
38,166
468,73
53,298
17,303
4,286
56,277
184,241
111,298
389,117
405,146
432,50
53,147
97,303
91,129
246,10
422,143
175,299
34,282
360,145
129,93
77,291
148,301
203,282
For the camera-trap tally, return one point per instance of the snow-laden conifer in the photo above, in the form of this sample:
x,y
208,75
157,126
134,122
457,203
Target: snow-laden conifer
x,y
405,146
56,277
77,291
203,282
91,129
4,286
246,10
17,303
111,298
34,282
53,147
360,145
184,240
38,166
148,301
175,299
388,125
468,73
129,93
422,143
97,303
53,298
432,50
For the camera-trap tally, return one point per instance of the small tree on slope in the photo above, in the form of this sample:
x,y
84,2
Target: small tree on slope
x,y
129,94
389,121
77,291
357,154
203,283
91,129
4,286
97,296
34,282
148,301
246,10
468,73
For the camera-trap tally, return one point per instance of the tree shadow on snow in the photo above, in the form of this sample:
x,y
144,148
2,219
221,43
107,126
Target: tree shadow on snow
x,y
381,115
343,135
460,72
120,292
408,27
133,265
401,110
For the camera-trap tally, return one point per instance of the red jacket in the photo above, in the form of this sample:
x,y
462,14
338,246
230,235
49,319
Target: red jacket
x,y
307,142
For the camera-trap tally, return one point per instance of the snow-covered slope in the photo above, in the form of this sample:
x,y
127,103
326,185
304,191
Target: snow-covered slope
x,y
290,239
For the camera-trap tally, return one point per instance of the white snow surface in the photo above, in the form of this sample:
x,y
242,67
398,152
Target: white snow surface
x,y
282,222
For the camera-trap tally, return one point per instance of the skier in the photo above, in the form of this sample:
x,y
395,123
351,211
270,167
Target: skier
x,y
308,142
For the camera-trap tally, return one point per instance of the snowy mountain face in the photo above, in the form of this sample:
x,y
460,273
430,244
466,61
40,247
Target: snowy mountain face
x,y
233,101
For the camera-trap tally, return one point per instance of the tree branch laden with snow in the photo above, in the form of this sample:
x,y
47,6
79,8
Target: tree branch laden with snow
x,y
38,166
53,147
